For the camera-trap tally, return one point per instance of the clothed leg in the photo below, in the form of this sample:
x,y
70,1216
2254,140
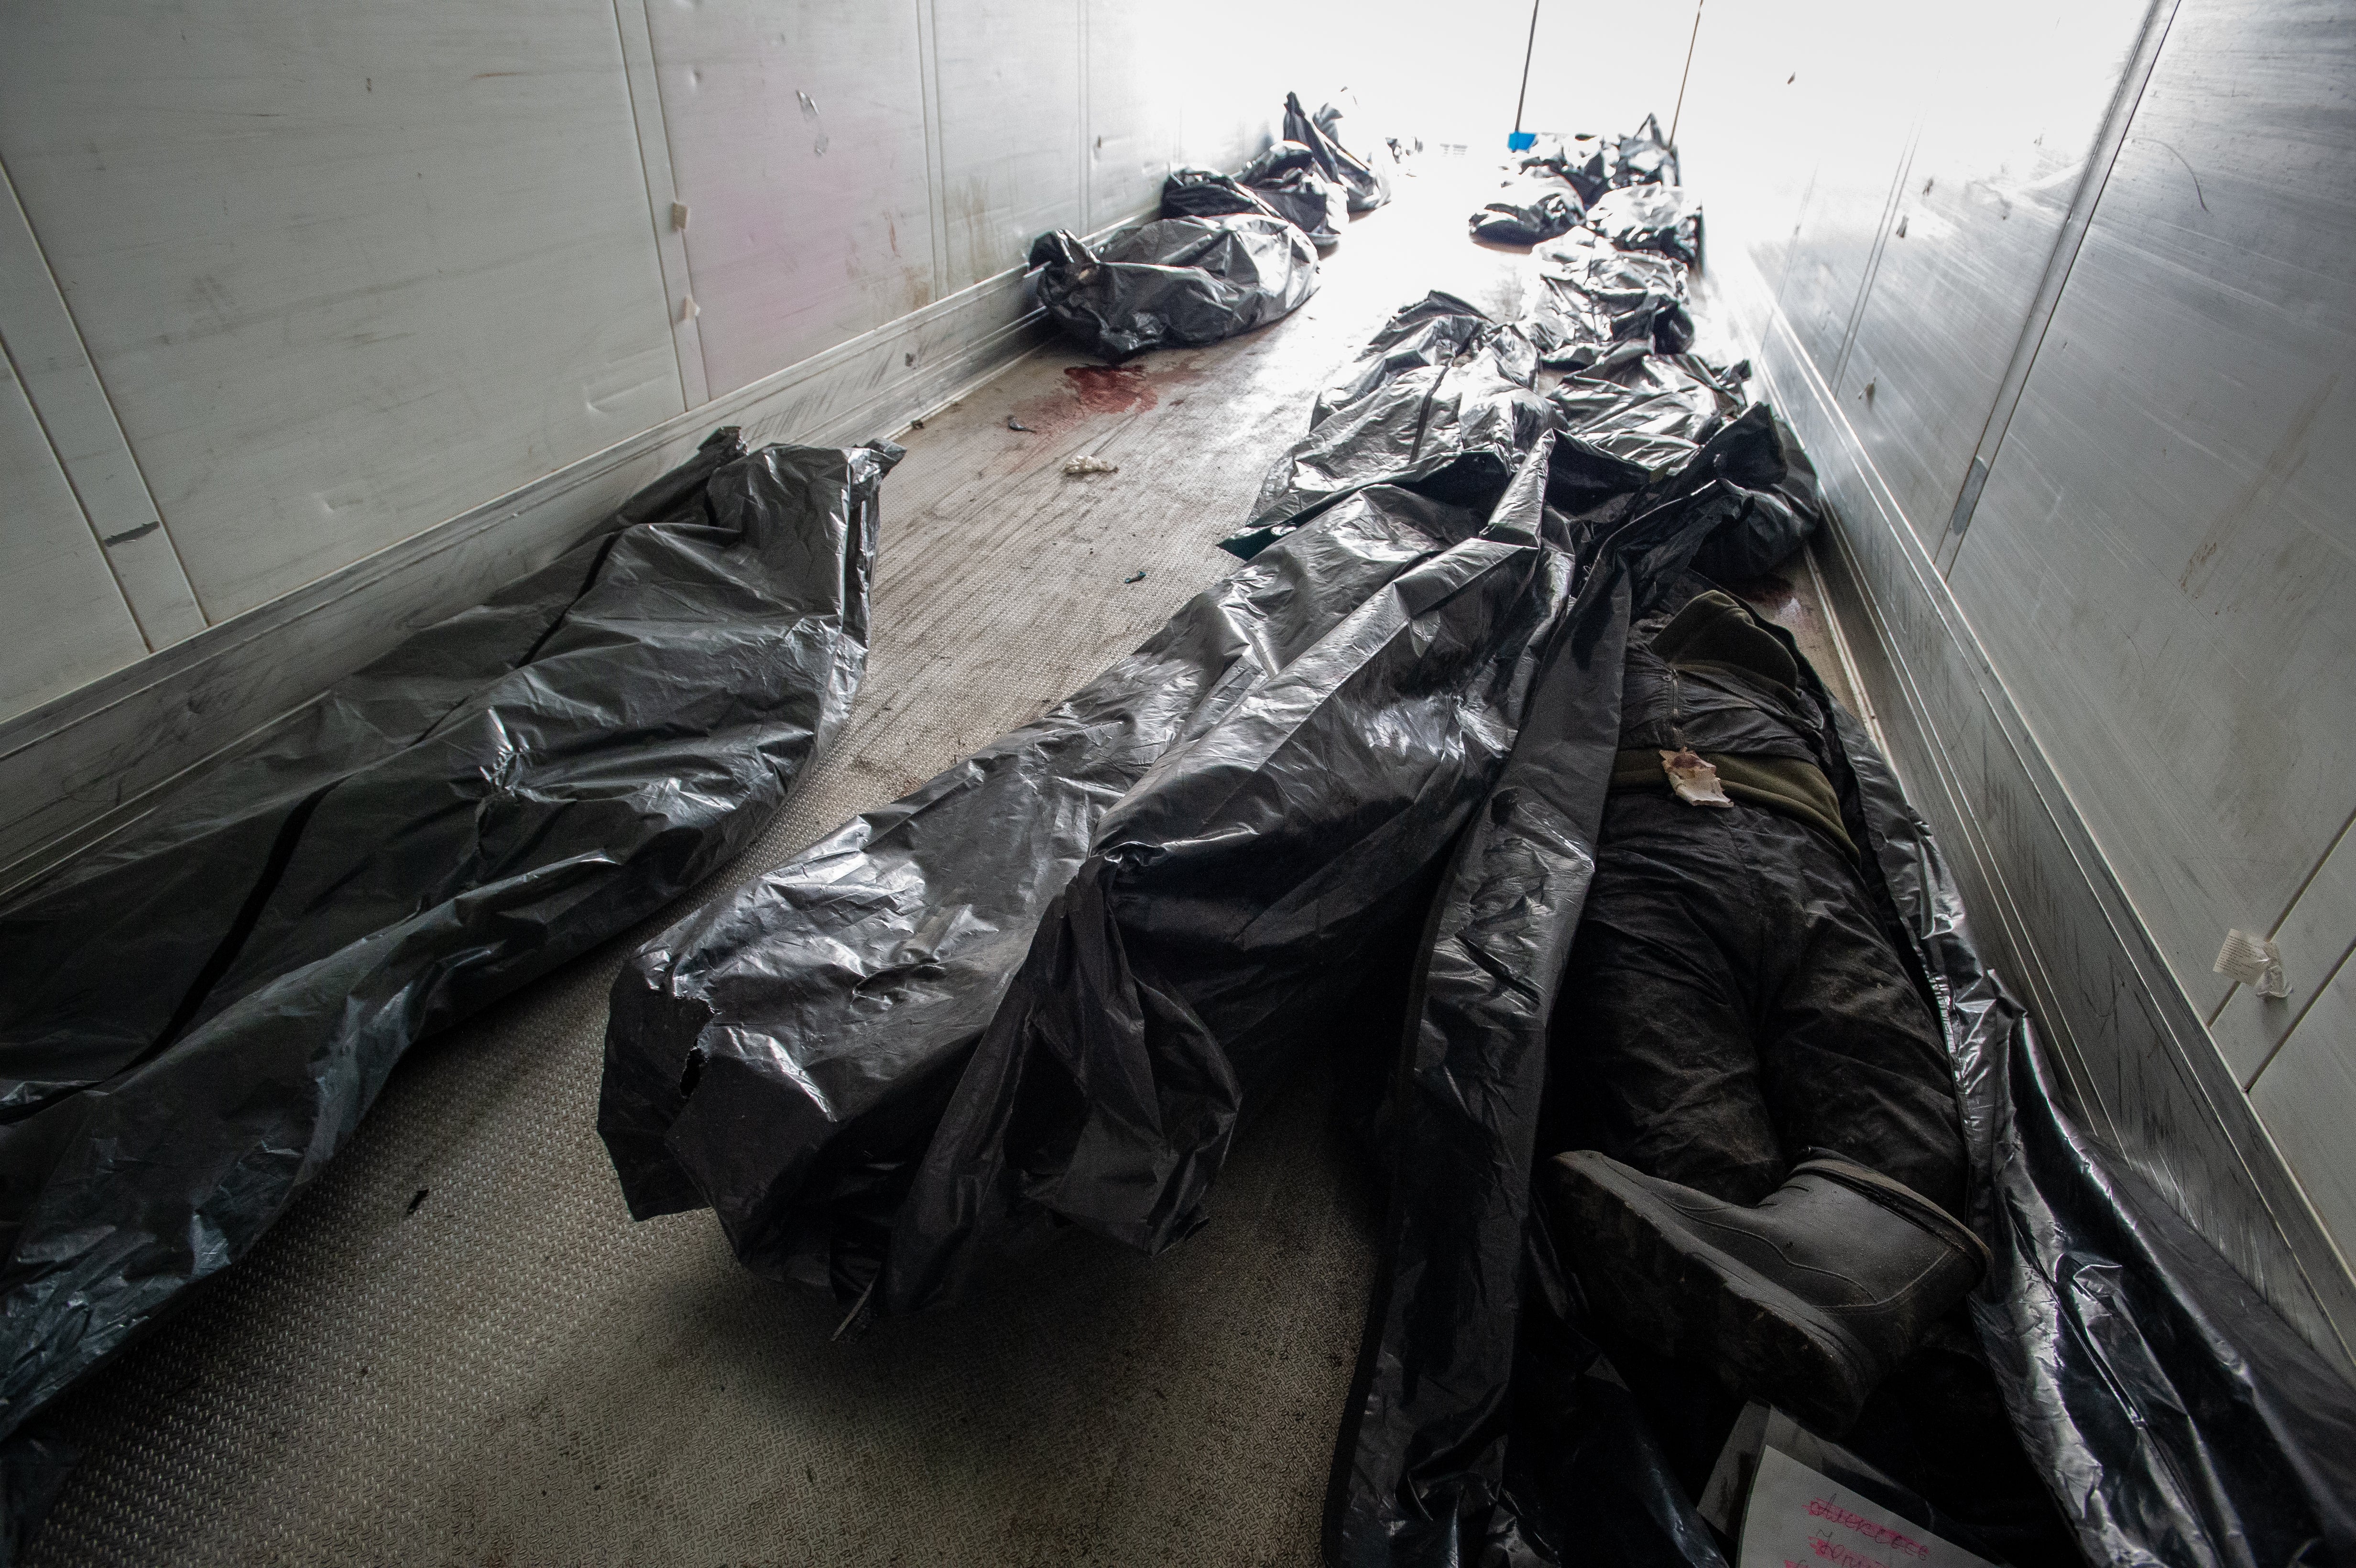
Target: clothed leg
x,y
1652,1035
1851,1056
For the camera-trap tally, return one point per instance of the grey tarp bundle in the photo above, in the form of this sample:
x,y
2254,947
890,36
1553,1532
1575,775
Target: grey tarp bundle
x,y
1661,218
1040,989
1441,398
1598,305
1526,210
1174,281
194,1019
1363,180
1287,176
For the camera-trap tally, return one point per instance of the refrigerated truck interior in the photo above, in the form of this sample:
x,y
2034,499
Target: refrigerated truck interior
x,y
662,901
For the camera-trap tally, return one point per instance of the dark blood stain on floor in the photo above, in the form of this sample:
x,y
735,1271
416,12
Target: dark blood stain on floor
x,y
1109,390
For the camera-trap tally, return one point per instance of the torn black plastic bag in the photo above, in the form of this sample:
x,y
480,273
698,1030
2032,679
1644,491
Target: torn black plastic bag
x,y
1179,281
784,1056
193,1020
1364,184
1288,177
2171,1415
1440,398
1600,306
1660,218
1528,210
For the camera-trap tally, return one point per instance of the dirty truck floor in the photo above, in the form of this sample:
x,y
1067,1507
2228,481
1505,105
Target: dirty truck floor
x,y
457,1348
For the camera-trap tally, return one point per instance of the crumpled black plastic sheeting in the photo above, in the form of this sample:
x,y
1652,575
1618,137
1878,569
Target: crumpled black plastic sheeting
x,y
1585,163
193,1020
1203,193
1643,157
1440,398
1042,988
1662,218
1363,180
1526,210
1600,306
1175,281
1596,164
1288,176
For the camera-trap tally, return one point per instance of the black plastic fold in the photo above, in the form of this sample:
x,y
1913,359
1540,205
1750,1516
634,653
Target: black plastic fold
x,y
1368,187
1660,218
1202,192
1526,210
1288,177
1440,398
194,1019
1599,306
1174,281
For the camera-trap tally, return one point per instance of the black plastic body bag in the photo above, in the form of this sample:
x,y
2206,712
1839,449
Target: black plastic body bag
x,y
1044,988
1175,281
2170,1415
194,1019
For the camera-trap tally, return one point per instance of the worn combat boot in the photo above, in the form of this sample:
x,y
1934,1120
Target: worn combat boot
x,y
1802,1302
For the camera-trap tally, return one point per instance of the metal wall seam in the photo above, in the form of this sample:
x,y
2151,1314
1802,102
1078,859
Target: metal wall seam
x,y
928,84
665,203
1087,125
63,383
1873,257
2048,297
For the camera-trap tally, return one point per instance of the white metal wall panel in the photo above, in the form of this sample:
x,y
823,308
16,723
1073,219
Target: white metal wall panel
x,y
2011,107
1132,99
2163,561
59,382
345,269
1009,75
2307,1096
798,143
62,620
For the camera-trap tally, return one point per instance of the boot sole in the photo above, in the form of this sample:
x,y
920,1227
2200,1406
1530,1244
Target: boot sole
x,y
1677,1300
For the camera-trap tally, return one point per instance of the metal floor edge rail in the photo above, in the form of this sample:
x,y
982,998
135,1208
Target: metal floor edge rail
x,y
2150,1082
82,766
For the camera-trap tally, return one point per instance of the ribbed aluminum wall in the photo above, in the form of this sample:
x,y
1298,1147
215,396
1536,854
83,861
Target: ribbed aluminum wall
x,y
2063,299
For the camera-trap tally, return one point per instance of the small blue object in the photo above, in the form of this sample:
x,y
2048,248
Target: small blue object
x,y
1520,140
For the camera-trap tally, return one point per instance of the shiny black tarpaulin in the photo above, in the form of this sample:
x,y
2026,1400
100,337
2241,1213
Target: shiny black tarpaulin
x,y
194,1019
1660,218
1174,281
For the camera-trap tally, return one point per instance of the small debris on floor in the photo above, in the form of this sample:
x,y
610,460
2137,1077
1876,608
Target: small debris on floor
x,y
1137,576
1013,423
418,1200
1087,462
915,424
